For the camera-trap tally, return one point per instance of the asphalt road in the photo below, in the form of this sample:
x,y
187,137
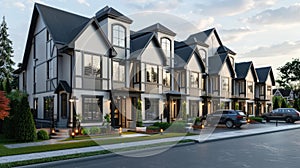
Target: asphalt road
x,y
281,149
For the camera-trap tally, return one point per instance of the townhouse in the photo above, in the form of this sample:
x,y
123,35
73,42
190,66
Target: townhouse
x,y
79,68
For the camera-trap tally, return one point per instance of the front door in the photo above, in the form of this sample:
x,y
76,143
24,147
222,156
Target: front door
x,y
63,111
120,113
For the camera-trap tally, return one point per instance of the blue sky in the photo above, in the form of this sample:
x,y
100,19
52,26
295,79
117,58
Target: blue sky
x,y
263,31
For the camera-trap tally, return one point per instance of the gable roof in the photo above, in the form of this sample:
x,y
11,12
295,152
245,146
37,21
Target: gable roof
x,y
202,36
109,12
283,92
184,54
139,42
63,86
242,70
224,49
263,74
158,28
215,64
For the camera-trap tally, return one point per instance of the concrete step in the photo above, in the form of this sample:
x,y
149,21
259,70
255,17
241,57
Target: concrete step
x,y
61,133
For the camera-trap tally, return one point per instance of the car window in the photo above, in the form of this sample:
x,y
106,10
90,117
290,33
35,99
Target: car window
x,y
241,113
225,112
218,112
275,111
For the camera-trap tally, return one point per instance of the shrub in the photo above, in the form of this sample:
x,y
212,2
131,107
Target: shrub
x,y
178,126
154,128
94,130
162,125
257,119
42,135
25,127
85,131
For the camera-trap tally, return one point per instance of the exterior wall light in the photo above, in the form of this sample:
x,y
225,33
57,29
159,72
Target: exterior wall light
x,y
120,131
161,131
73,135
53,131
76,130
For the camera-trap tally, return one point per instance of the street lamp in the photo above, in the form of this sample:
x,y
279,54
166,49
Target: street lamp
x,y
72,114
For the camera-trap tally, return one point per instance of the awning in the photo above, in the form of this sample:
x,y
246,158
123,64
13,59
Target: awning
x,y
63,86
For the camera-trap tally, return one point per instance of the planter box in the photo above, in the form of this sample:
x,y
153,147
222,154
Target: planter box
x,y
141,129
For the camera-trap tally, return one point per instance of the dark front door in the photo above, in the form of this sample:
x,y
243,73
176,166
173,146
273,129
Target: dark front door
x,y
120,112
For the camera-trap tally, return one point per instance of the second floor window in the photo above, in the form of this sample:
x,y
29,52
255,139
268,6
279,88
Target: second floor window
x,y
166,46
118,36
261,90
269,90
250,87
119,72
152,73
194,79
92,66
166,78
225,84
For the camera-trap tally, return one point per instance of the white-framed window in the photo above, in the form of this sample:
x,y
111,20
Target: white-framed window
x,y
225,84
118,35
151,109
152,73
118,72
92,66
194,79
166,78
92,109
250,87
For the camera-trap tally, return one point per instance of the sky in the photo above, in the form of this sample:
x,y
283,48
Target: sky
x,y
263,31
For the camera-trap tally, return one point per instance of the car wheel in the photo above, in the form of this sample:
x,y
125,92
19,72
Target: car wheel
x,y
289,120
229,124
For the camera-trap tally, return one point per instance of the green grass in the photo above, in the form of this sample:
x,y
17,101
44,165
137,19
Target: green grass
x,y
36,161
33,149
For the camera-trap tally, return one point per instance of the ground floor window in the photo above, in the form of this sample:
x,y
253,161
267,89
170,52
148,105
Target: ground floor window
x,y
194,108
151,109
92,109
48,107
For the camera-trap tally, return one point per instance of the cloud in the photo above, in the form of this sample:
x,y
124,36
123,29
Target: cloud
x,y
283,15
84,2
233,35
224,7
19,5
154,5
287,49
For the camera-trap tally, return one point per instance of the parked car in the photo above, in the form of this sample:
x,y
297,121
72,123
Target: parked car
x,y
289,115
228,117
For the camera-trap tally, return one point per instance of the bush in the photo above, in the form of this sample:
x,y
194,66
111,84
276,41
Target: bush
x,y
25,127
257,119
85,131
94,130
178,126
162,125
42,135
154,128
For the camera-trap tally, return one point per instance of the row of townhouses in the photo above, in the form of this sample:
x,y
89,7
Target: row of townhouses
x,y
97,66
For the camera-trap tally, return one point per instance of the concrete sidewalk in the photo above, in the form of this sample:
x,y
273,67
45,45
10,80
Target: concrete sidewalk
x,y
205,136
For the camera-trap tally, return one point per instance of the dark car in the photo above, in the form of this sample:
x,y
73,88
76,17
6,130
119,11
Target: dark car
x,y
228,117
289,115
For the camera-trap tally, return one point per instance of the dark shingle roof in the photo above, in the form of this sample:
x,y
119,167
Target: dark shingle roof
x,y
63,86
158,28
215,63
63,26
201,36
112,13
242,69
284,92
224,49
263,74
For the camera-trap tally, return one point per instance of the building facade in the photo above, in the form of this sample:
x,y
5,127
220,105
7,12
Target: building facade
x,y
89,68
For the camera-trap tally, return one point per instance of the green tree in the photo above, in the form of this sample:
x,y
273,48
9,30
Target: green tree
x,y
275,102
289,75
297,104
25,127
6,53
284,103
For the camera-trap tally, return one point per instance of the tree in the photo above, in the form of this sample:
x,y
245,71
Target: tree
x,y
25,127
276,103
297,104
4,106
284,103
6,53
289,75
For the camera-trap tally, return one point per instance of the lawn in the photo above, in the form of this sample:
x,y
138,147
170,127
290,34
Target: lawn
x,y
6,151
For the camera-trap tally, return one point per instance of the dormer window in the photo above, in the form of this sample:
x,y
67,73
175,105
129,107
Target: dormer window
x,y
118,36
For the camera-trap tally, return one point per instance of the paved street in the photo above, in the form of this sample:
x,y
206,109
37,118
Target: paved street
x,y
280,149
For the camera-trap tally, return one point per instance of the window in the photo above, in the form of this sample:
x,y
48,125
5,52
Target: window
x,y
152,74
35,107
48,107
166,78
250,87
242,87
92,65
215,83
136,75
225,84
48,36
151,109
166,46
118,36
262,90
118,72
92,109
194,78
50,70
182,79
269,90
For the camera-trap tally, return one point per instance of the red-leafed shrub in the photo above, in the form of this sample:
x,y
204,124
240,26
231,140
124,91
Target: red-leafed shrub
x,y
4,106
